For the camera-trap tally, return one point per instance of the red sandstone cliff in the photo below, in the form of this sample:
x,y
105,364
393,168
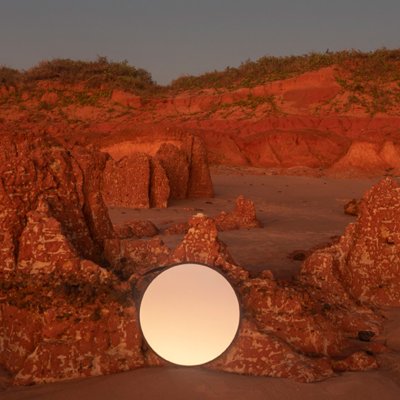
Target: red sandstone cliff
x,y
318,120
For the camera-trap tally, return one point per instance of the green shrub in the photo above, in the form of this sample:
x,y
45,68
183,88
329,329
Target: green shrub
x,y
94,74
382,65
9,76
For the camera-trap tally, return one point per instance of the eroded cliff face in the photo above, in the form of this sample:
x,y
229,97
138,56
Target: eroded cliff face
x,y
144,175
70,286
309,124
68,179
63,313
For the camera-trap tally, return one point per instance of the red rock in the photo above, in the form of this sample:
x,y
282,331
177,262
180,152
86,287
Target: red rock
x,y
138,229
20,331
126,182
126,99
62,316
390,154
93,163
143,228
136,181
153,360
366,260
359,361
123,231
199,184
159,185
243,216
145,254
49,98
84,321
288,313
181,147
86,347
175,163
351,208
361,158
319,274
43,249
201,244
372,244
177,229
255,353
40,167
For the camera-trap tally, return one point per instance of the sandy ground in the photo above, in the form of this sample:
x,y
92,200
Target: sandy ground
x,y
198,384
297,213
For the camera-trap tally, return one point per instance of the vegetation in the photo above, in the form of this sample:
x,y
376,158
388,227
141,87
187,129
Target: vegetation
x,y
93,74
370,80
252,102
9,76
383,64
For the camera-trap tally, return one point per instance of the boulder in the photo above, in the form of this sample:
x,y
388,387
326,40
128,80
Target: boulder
x,y
255,353
80,342
201,244
175,163
136,229
177,229
352,207
145,255
366,260
243,216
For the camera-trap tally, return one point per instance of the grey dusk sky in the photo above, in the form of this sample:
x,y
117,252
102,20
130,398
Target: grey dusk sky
x,y
174,37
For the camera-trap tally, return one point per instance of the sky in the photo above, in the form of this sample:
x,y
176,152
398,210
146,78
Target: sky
x,y
171,38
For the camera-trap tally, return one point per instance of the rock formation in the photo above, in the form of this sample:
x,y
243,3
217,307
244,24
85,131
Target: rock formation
x,y
176,166
176,229
368,158
136,229
62,314
283,324
143,180
136,181
242,216
366,260
67,179
160,191
352,207
69,286
199,184
201,244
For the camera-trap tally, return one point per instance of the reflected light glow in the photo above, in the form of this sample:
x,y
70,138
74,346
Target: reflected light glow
x,y
189,314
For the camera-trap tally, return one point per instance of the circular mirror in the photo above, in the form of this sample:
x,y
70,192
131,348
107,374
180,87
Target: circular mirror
x,y
189,314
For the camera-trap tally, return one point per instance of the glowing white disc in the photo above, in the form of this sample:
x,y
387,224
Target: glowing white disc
x,y
189,314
